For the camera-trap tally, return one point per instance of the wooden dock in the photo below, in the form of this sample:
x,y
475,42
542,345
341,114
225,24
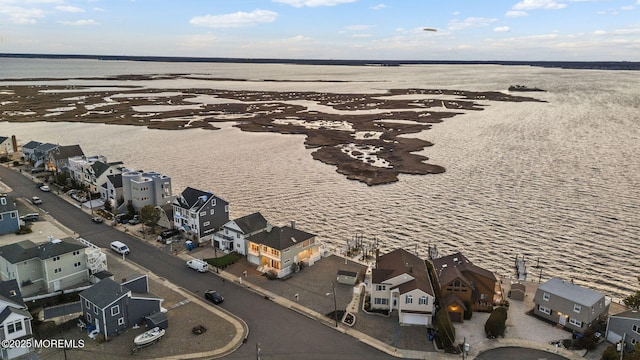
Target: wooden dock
x,y
521,268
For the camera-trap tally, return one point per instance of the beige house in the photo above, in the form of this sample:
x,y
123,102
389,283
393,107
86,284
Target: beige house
x,y
282,249
400,281
46,267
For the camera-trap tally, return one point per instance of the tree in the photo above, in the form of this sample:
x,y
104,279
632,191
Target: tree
x,y
495,324
131,210
633,300
149,215
107,206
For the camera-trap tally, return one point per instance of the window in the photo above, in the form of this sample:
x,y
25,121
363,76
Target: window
x,y
56,258
633,341
55,271
3,201
77,264
226,208
546,296
95,309
203,213
544,309
121,321
575,322
89,317
14,326
87,304
636,329
115,310
76,252
206,223
423,301
577,308
380,301
213,211
409,299
381,288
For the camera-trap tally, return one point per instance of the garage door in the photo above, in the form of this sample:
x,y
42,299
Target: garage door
x,y
415,319
613,337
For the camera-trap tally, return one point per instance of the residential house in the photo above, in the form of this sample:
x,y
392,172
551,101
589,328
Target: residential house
x,y
233,235
9,219
79,168
166,216
280,250
464,286
400,281
111,190
41,154
58,159
199,214
572,306
29,148
112,307
15,320
98,172
624,325
146,188
46,267
8,145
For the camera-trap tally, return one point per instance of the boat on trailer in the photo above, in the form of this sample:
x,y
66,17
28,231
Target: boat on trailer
x,y
149,337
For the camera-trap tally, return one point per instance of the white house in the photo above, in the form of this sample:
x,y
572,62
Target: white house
x,y
233,235
15,320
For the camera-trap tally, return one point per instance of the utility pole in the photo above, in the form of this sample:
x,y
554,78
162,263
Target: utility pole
x,y
335,303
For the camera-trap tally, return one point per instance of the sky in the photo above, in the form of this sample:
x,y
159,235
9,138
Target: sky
x,y
526,30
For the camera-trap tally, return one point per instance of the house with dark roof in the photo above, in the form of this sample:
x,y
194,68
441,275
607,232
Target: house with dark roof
x,y
233,235
41,154
7,145
58,159
166,216
464,286
9,217
400,281
46,267
571,306
199,214
112,307
111,190
98,172
280,250
624,325
29,148
15,320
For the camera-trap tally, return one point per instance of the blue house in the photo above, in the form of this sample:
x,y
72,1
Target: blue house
x,y
9,219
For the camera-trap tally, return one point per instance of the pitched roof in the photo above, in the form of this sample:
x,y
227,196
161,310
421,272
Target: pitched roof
x,y
628,314
11,310
27,249
450,267
571,291
10,292
31,144
100,167
280,238
115,180
3,139
67,151
9,206
191,197
105,292
399,262
251,223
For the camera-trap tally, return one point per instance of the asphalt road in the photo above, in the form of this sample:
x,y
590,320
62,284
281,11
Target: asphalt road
x,y
509,353
281,333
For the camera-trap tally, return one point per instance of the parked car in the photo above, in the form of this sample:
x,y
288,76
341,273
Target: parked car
x,y
120,248
165,234
97,219
39,185
36,200
198,265
213,296
30,217
45,188
134,221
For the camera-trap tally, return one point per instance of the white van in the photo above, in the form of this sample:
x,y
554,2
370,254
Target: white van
x,y
198,265
120,248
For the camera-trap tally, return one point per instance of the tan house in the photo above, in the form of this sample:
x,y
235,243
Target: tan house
x,y
464,286
282,249
400,281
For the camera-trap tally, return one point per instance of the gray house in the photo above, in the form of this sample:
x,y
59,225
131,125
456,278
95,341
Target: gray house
x,y
58,159
112,307
570,305
46,267
625,324
29,148
9,219
15,320
233,235
199,214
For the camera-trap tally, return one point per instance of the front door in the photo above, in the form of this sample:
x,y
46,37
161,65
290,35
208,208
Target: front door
x,y
562,320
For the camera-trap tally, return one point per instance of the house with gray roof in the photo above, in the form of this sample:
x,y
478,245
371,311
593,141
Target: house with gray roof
x,y
111,190
9,217
98,172
400,281
199,214
233,235
7,145
15,320
41,154
58,159
569,305
45,267
280,250
625,325
29,148
112,307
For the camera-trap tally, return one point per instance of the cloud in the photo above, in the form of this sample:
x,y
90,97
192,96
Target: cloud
x,y
200,41
515,13
84,22
238,19
627,8
313,3
471,22
502,29
71,9
538,4
358,27
20,15
382,6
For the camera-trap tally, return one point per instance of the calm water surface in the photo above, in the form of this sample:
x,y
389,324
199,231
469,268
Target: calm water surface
x,y
558,181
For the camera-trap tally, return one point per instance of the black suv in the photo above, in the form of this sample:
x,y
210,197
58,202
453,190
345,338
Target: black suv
x,y
169,233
